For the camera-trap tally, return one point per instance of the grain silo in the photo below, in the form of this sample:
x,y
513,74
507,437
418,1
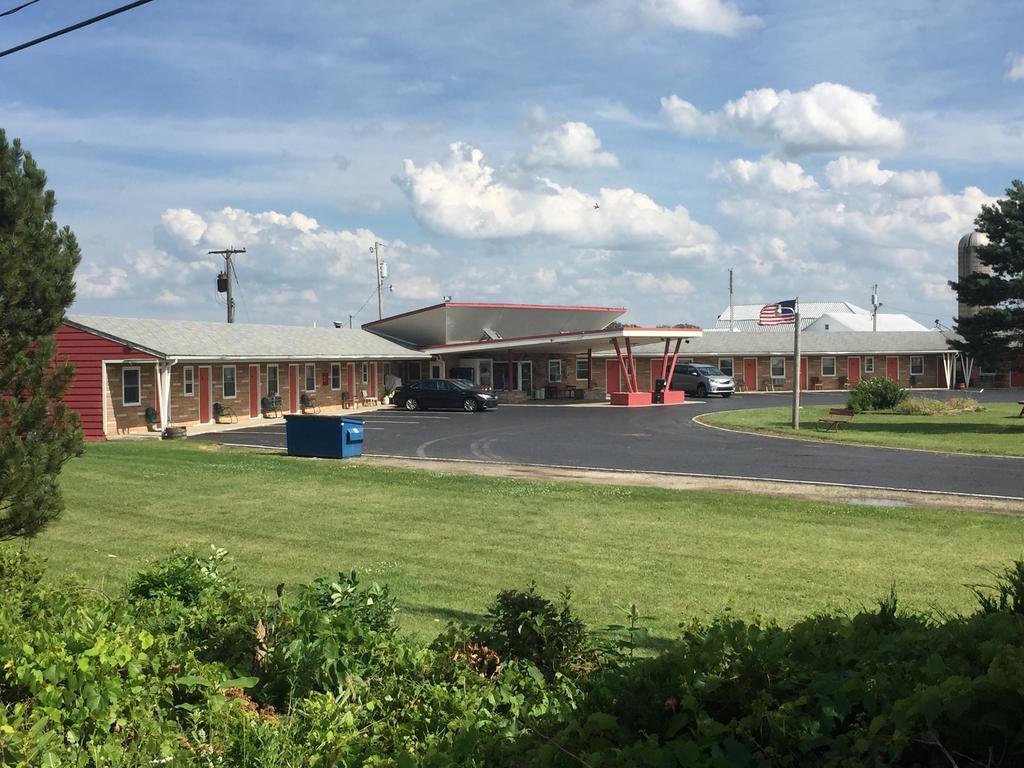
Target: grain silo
x,y
968,262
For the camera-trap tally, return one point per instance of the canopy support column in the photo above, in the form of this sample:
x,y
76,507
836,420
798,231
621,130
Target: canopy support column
x,y
632,365
622,367
163,388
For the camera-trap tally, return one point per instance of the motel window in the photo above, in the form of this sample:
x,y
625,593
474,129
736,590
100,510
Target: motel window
x,y
778,367
725,365
335,376
582,369
554,371
188,376
916,365
828,366
310,377
229,382
366,373
272,388
131,386
869,365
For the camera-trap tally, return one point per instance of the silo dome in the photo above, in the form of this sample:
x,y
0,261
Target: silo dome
x,y
968,262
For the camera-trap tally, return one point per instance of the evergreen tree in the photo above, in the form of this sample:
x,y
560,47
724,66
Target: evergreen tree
x,y
996,332
37,267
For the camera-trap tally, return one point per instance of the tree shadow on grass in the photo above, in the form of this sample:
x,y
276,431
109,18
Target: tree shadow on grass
x,y
919,428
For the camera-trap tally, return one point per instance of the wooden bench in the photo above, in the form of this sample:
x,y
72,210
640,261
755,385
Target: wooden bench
x,y
837,419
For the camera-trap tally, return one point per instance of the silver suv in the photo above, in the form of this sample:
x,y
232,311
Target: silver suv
x,y
702,380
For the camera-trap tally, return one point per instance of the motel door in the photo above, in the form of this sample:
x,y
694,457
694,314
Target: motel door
x,y
205,395
803,373
254,391
613,376
852,370
293,388
892,368
750,373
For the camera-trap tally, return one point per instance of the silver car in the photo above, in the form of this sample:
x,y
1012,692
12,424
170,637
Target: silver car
x,y
702,380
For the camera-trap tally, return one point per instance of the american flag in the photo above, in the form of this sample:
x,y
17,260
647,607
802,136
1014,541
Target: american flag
x,y
781,313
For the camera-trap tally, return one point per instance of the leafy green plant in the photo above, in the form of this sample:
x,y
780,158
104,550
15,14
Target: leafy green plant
x,y
1006,594
925,406
876,395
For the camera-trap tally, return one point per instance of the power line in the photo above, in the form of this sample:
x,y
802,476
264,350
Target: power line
x,y
73,27
18,8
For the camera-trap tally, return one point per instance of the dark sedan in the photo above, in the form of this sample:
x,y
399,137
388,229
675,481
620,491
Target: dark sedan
x,y
444,393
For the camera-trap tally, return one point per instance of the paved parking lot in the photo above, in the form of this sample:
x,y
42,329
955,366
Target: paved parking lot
x,y
664,439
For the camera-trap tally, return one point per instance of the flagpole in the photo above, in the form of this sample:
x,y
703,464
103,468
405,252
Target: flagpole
x,y
796,367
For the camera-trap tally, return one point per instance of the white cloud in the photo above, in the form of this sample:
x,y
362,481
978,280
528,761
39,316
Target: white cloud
x,y
169,299
869,225
719,17
768,172
571,145
827,117
1015,64
665,285
93,281
466,198
846,172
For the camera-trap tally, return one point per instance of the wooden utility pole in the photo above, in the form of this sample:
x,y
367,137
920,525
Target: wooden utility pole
x,y
796,368
229,270
380,294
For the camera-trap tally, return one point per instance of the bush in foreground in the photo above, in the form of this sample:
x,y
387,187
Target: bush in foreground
x,y
192,667
876,395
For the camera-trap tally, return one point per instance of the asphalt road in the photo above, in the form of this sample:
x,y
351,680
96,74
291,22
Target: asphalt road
x,y
665,439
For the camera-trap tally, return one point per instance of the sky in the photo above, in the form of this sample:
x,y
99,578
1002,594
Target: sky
x,y
622,153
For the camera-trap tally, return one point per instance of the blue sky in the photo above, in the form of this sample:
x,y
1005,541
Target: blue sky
x,y
815,148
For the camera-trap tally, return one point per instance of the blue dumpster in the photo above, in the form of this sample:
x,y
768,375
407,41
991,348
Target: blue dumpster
x,y
328,437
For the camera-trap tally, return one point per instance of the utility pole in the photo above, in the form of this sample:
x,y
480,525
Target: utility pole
x,y
380,294
875,304
224,278
730,302
796,367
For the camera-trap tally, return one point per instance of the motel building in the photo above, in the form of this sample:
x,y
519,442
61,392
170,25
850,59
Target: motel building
x,y
124,366
183,369
531,352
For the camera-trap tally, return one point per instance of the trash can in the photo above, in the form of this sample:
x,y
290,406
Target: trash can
x,y
353,431
659,391
323,436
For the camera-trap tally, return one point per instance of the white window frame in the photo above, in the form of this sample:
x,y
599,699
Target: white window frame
x,y
771,368
306,378
586,369
918,371
277,379
732,367
335,367
869,364
188,381
224,382
555,363
138,372
365,377
828,375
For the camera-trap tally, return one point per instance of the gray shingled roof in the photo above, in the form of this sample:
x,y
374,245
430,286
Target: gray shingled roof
x,y
739,343
188,339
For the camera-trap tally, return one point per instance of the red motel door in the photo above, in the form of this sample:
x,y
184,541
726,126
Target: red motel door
x,y
352,381
373,379
750,373
293,388
852,370
803,373
204,394
892,368
612,374
254,391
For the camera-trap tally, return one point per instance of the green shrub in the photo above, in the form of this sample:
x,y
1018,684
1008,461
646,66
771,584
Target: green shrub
x,y
527,626
875,395
925,406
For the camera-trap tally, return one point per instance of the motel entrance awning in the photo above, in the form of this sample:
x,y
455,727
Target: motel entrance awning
x,y
620,340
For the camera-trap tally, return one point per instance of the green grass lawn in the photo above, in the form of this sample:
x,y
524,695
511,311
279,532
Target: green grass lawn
x,y
995,430
448,543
